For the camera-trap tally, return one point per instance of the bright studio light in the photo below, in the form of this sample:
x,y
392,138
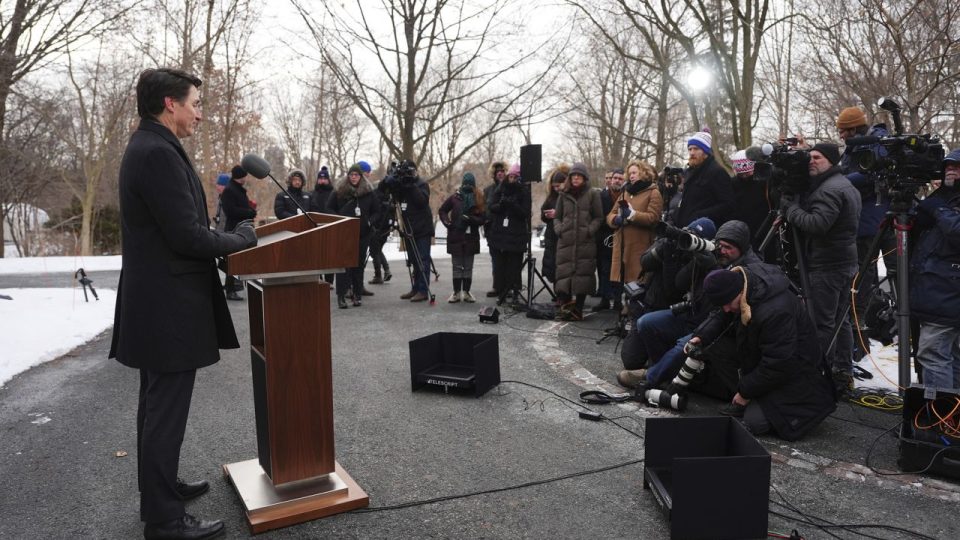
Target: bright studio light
x,y
698,79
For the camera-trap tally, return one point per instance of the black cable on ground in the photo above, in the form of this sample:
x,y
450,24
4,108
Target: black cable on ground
x,y
866,460
497,490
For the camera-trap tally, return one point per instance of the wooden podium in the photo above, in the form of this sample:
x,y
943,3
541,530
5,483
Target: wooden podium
x,y
295,477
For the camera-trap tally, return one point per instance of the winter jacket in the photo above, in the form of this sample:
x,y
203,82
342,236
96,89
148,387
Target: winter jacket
x,y
488,191
236,205
549,263
752,206
706,193
508,213
827,217
871,214
170,313
463,235
778,353
578,218
935,266
319,197
283,205
636,234
414,201
360,203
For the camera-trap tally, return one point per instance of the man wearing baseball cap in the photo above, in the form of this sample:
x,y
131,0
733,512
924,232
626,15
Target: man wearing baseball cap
x,y
935,280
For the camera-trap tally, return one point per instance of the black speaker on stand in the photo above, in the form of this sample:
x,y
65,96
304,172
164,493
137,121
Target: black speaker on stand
x,y
531,166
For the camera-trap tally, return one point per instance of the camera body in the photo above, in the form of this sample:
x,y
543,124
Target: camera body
x,y
785,167
400,173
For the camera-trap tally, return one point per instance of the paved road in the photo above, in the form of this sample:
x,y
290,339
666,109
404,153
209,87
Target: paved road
x,y
63,423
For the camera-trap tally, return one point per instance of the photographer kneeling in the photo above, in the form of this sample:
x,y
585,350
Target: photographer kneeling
x,y
783,387
658,331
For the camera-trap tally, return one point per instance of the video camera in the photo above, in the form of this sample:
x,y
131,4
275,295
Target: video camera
x,y
684,239
400,173
902,163
782,165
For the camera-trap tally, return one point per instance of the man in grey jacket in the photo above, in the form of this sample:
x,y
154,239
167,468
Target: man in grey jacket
x,y
827,216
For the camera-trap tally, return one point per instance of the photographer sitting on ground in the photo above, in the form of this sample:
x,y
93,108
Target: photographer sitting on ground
x,y
733,245
827,216
658,331
783,386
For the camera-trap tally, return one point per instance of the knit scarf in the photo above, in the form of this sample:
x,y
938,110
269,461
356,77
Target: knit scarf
x,y
636,187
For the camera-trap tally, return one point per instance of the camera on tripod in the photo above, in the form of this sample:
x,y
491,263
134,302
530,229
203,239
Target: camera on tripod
x,y
684,239
783,165
400,173
902,163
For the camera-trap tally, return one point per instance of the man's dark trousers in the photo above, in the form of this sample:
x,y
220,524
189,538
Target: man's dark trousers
x,y
161,422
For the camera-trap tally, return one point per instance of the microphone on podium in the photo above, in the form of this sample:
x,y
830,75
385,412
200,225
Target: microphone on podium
x,y
260,169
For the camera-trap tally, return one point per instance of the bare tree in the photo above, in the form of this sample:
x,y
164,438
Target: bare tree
x,y
432,55
99,99
34,31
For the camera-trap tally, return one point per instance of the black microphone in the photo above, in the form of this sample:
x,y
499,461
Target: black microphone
x,y
259,168
862,140
755,153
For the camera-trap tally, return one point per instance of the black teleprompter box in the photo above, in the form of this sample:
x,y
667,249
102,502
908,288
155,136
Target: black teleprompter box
x,y
463,362
929,450
709,475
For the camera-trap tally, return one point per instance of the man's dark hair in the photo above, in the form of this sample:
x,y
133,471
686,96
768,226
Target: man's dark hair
x,y
156,84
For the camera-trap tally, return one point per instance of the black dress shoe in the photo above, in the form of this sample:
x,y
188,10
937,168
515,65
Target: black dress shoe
x,y
232,295
184,528
192,490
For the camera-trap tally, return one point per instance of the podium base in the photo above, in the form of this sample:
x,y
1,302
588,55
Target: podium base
x,y
270,507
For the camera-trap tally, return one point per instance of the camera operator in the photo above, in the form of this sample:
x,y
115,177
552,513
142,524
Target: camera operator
x,y
670,184
852,122
508,213
827,216
935,280
706,187
283,205
753,200
633,218
413,196
607,290
782,387
658,331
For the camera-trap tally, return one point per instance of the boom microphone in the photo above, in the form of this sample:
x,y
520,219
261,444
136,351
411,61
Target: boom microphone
x,y
255,165
259,168
755,153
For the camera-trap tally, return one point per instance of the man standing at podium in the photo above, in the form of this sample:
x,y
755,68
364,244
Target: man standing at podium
x,y
171,315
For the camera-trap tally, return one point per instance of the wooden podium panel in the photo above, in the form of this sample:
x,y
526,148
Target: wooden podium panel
x,y
295,477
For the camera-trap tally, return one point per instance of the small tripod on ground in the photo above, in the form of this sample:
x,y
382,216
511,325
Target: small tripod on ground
x,y
86,283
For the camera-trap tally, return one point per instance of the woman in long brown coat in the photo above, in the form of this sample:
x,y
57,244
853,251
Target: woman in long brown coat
x,y
633,217
577,218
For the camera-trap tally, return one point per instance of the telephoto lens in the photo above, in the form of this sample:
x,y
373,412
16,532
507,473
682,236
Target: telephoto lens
x,y
666,400
690,369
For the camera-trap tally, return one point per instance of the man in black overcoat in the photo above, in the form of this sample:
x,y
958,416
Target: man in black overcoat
x,y
171,315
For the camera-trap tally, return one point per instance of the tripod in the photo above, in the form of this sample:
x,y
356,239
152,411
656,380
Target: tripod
x,y
779,226
531,263
898,218
619,330
409,244
87,283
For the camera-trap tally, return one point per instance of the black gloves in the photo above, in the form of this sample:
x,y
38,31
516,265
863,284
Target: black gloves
x,y
245,229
